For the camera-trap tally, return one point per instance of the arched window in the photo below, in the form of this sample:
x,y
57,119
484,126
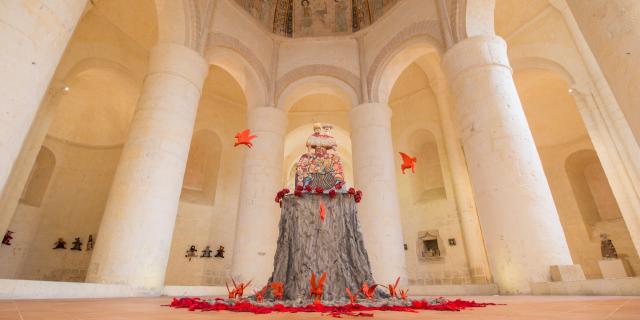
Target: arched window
x,y
591,188
39,178
429,184
201,173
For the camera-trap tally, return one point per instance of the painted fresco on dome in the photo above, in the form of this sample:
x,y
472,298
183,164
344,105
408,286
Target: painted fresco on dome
x,y
305,18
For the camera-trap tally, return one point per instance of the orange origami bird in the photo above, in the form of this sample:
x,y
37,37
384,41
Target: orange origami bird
x,y
232,293
245,138
260,294
323,210
403,294
352,298
368,291
277,289
316,290
392,288
239,288
408,162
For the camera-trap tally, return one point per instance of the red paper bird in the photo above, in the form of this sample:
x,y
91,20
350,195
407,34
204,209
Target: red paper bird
x,y
393,288
368,291
260,294
232,293
316,290
404,294
277,288
408,162
352,298
239,288
245,138
323,211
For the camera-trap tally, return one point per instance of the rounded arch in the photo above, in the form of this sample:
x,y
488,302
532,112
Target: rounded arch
x,y
97,103
390,63
39,178
535,62
242,66
319,84
319,70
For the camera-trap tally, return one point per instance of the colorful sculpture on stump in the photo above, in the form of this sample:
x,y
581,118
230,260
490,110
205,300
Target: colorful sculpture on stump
x,y
320,167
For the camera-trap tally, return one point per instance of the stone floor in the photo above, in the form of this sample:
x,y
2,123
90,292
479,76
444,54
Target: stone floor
x,y
517,307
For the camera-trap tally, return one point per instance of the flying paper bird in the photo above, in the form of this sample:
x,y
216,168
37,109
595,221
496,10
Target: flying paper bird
x,y
245,138
316,289
260,294
404,294
408,162
323,210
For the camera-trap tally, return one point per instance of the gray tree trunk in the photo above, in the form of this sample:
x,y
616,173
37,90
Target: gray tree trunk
x,y
307,244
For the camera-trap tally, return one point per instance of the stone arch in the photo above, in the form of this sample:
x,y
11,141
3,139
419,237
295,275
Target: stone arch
x,y
234,57
522,60
407,46
322,70
113,119
319,84
39,178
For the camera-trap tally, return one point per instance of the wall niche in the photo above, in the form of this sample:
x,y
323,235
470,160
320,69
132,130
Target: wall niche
x,y
429,246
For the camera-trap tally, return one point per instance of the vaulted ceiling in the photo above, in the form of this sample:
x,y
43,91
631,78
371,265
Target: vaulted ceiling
x,y
300,18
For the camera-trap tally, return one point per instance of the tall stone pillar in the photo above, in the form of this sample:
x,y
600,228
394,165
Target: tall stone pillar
x,y
521,227
467,213
258,215
34,35
133,243
374,172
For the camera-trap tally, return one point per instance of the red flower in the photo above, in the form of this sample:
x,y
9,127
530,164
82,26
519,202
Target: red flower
x,y
352,191
332,193
308,188
299,188
319,190
339,185
286,190
297,193
359,192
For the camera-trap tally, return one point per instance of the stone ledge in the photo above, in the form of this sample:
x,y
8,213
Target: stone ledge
x,y
181,291
599,287
33,289
454,290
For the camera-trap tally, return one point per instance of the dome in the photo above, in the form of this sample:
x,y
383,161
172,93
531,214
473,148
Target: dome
x,y
303,18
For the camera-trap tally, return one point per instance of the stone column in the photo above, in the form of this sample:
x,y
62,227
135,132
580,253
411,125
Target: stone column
x,y
374,172
521,227
133,243
258,214
34,35
469,223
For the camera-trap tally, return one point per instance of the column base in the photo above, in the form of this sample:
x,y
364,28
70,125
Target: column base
x,y
571,272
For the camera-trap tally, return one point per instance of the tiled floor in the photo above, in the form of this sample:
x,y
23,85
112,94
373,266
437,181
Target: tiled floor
x,y
517,307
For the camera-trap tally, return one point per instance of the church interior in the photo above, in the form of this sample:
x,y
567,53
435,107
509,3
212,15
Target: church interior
x,y
123,185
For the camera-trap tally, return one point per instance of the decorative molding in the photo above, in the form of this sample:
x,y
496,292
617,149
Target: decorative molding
x,y
430,28
318,70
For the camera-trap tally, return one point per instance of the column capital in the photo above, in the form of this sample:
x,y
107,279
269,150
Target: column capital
x,y
370,114
179,60
475,52
267,118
